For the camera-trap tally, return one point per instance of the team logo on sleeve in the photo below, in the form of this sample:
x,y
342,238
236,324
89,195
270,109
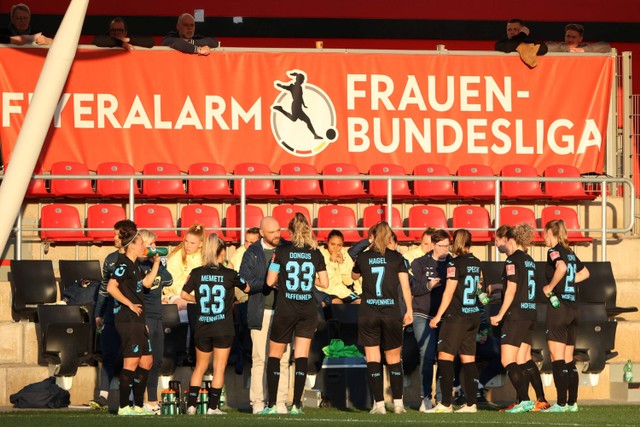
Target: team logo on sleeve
x,y
511,270
119,272
554,255
303,118
451,272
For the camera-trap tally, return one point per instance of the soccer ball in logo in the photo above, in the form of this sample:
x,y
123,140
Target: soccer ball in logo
x,y
303,119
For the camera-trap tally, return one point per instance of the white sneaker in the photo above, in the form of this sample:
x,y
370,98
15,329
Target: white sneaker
x,y
399,409
378,408
440,409
425,405
191,410
281,409
466,409
216,411
154,409
257,408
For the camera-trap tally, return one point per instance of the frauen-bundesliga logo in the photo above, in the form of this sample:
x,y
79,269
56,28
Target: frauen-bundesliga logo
x,y
303,118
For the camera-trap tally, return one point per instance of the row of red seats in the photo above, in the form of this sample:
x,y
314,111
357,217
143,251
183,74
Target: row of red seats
x,y
160,219
312,189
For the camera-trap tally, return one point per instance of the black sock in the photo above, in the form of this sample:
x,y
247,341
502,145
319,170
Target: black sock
x,y
126,379
374,369
273,378
533,373
214,397
561,378
140,386
470,382
519,380
445,372
192,397
300,378
573,382
395,379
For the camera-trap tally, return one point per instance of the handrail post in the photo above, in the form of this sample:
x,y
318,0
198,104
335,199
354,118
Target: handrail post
x,y
131,199
603,209
496,223
243,208
389,200
18,248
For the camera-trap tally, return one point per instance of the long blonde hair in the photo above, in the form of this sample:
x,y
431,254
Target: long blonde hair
x,y
461,242
212,249
383,235
300,232
559,231
196,230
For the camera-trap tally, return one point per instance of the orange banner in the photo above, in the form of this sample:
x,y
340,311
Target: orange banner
x,y
317,107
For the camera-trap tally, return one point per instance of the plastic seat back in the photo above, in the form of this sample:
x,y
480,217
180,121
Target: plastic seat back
x,y
476,190
299,188
162,188
376,213
422,217
57,215
433,190
32,282
340,218
210,188
566,189
207,216
255,188
70,187
284,213
116,188
158,219
103,216
253,216
522,190
514,215
470,217
342,188
570,218
399,188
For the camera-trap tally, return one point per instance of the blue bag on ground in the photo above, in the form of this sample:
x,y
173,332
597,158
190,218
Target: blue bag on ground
x,y
46,395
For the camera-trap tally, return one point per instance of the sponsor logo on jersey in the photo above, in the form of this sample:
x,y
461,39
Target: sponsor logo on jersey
x,y
451,272
554,255
511,270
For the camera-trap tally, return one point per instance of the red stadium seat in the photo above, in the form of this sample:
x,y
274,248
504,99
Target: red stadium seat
x,y
255,188
162,188
340,218
284,213
253,216
70,187
342,188
207,216
299,189
37,187
208,189
433,190
522,190
399,188
570,218
103,216
476,190
514,215
423,217
565,190
61,216
117,188
376,213
469,217
157,219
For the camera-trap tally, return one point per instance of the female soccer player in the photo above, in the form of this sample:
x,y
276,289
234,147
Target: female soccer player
x,y
380,320
213,285
518,314
153,317
293,271
126,287
459,329
182,259
342,288
564,270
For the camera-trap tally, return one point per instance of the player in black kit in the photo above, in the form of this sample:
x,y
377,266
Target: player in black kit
x,y
564,270
461,320
212,286
518,314
294,270
380,320
126,287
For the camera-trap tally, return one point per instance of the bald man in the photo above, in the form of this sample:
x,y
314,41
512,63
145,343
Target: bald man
x,y
262,299
185,40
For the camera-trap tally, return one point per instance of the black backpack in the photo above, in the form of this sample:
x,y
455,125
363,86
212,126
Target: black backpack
x,y
82,292
45,394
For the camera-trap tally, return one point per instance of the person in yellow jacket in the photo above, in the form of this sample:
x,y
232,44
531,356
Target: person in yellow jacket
x,y
342,289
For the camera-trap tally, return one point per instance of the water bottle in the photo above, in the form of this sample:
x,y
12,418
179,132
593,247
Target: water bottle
x,y
203,402
482,296
628,372
223,398
157,251
553,299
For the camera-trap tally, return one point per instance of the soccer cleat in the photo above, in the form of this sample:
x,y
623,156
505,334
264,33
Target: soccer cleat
x,y
440,409
216,411
191,410
557,408
378,408
296,411
540,406
100,403
573,408
425,405
508,407
141,410
466,409
281,409
269,411
524,406
127,411
399,409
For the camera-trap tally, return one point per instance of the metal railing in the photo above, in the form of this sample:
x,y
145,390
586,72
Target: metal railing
x,y
605,184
